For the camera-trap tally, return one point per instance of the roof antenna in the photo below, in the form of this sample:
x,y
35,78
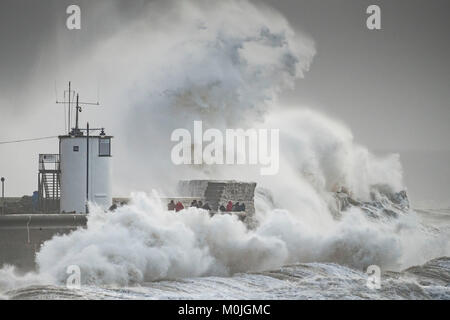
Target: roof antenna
x,y
64,102
78,109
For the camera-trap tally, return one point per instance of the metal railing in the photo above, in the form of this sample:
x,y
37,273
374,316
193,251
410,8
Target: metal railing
x,y
49,183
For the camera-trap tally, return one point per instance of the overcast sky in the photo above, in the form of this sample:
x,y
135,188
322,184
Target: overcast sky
x,y
391,86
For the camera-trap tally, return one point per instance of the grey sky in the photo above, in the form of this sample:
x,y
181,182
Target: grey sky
x,y
391,87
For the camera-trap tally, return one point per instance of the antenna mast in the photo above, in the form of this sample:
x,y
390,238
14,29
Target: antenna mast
x,y
70,109
76,130
64,102
78,109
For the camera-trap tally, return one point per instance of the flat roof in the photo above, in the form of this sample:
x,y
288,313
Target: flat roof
x,y
83,136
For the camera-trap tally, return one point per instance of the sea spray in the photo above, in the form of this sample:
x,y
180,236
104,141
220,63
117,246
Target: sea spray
x,y
143,242
207,66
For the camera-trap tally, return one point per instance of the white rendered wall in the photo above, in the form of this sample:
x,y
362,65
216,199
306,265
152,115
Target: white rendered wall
x,y
73,175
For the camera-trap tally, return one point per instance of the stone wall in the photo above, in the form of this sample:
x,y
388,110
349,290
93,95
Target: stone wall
x,y
21,236
243,192
219,192
192,188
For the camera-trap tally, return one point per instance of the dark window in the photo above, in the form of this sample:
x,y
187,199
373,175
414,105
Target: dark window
x,y
104,147
76,148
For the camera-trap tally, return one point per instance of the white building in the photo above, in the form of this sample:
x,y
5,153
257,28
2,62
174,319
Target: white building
x,y
81,172
85,166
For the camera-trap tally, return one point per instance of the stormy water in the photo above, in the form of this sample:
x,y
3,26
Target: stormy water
x,y
136,254
333,209
300,281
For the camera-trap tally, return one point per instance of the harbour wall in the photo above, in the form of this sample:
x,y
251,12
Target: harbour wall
x,y
21,235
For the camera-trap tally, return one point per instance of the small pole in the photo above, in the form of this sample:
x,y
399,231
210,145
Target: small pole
x,y
69,108
3,195
78,109
87,167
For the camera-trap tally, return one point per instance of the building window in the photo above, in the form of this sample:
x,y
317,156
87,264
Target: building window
x,y
76,148
104,147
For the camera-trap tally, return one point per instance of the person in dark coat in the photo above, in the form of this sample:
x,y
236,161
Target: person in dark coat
x,y
171,206
222,208
236,207
200,204
206,206
179,206
242,208
194,204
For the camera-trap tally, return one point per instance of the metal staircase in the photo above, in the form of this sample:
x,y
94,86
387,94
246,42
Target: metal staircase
x,y
49,183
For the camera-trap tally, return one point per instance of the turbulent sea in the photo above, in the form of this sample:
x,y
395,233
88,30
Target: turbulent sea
x,y
210,66
296,281
301,281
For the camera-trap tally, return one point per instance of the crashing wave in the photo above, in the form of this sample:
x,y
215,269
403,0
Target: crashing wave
x,y
298,281
383,203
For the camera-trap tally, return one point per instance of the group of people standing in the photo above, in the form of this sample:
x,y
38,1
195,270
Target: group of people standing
x,y
177,207
199,204
237,207
194,204
230,207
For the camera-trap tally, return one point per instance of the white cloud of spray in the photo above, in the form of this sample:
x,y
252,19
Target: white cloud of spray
x,y
209,65
143,242
220,62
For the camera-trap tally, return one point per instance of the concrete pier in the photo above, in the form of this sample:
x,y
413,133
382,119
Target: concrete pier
x,y
21,235
219,192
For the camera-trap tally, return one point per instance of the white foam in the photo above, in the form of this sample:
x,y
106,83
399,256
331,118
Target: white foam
x,y
211,66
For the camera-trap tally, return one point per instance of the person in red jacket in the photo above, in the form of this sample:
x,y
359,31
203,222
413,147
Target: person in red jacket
x,y
229,206
179,206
